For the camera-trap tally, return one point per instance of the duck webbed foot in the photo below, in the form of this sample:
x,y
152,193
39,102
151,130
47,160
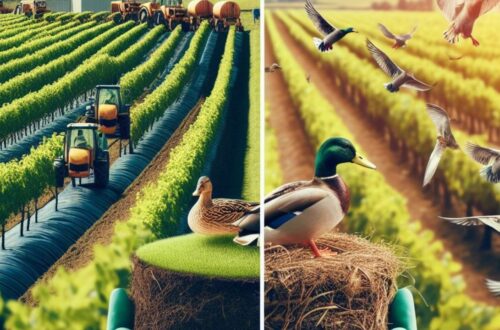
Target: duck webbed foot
x,y
475,42
318,253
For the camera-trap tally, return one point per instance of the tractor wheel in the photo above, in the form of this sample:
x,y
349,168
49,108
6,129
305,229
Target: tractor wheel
x,y
59,172
101,171
73,182
143,15
186,26
158,18
117,19
124,123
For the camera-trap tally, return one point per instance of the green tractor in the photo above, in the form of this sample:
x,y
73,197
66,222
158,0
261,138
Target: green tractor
x,y
85,153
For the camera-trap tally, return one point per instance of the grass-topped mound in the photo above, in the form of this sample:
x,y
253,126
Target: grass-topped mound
x,y
195,254
196,282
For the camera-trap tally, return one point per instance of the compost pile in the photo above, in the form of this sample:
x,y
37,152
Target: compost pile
x,y
166,299
350,290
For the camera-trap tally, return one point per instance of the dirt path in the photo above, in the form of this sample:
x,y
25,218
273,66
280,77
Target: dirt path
x,y
82,252
476,265
296,153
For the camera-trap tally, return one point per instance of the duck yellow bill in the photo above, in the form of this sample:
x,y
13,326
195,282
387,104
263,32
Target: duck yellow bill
x,y
360,160
196,193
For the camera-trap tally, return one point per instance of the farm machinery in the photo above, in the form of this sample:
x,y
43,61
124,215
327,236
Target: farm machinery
x,y
108,111
85,152
31,8
171,13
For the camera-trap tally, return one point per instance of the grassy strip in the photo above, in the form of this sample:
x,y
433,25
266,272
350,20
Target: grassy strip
x,y
145,114
20,36
379,211
251,183
90,286
133,83
213,256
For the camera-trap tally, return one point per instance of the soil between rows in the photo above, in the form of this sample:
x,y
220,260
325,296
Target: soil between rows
x,y
101,232
477,265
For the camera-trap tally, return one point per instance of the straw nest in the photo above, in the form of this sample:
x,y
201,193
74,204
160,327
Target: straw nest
x,y
350,290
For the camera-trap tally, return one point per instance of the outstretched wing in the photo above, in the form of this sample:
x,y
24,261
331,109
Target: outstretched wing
x,y
383,61
492,221
417,85
409,35
487,5
493,286
439,117
481,154
433,163
386,31
321,24
451,8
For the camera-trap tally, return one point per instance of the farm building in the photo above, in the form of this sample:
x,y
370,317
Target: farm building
x,y
78,5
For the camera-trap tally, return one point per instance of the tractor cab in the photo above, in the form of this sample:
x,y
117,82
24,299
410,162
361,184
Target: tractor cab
x,y
171,13
108,111
85,153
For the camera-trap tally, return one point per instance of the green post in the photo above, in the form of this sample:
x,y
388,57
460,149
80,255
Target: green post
x,y
402,311
120,311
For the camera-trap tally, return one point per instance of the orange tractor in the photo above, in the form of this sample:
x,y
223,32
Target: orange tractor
x,y
108,111
171,13
85,153
31,8
127,9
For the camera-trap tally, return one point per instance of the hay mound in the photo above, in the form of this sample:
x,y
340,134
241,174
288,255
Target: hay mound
x,y
351,290
165,299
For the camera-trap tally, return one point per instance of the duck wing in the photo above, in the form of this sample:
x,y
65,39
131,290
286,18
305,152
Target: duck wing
x,y
386,31
293,202
451,8
493,286
433,162
480,154
383,61
409,35
492,221
286,188
416,84
228,210
321,24
440,118
481,7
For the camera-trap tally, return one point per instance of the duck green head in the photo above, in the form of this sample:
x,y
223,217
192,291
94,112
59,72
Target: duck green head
x,y
349,30
335,151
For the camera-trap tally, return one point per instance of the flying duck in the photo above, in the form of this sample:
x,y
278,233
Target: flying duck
x,y
492,221
493,286
330,33
445,139
400,78
462,14
273,67
488,157
399,40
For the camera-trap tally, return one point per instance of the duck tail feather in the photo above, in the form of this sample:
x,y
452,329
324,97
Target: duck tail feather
x,y
318,43
247,240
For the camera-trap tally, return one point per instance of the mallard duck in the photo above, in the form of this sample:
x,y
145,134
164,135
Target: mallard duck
x,y
299,212
273,67
492,221
215,216
490,158
445,139
400,39
331,33
462,15
493,286
400,78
